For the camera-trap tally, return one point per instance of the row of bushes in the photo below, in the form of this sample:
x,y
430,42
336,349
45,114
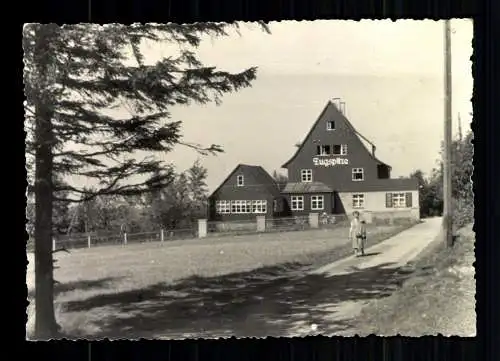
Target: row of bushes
x,y
463,213
431,187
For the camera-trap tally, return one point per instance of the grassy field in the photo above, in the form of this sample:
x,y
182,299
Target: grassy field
x,y
115,291
437,298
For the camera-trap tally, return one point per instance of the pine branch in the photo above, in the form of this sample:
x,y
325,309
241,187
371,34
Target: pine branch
x,y
89,73
133,189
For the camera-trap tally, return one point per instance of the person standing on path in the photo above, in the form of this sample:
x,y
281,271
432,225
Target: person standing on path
x,y
357,235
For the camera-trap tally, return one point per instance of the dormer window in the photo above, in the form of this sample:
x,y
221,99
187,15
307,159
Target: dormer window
x,y
330,125
240,181
343,149
323,150
339,149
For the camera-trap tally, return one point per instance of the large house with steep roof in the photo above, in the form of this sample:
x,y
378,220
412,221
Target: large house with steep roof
x,y
332,171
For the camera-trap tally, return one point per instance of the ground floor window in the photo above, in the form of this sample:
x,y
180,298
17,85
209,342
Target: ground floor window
x,y
297,203
259,206
398,200
223,207
358,200
241,206
317,203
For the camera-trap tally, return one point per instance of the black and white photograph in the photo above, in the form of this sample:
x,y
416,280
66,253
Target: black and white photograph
x,y
249,179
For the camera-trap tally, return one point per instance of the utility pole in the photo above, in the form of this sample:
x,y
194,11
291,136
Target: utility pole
x,y
447,153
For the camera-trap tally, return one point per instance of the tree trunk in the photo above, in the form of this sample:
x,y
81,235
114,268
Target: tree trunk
x,y
45,323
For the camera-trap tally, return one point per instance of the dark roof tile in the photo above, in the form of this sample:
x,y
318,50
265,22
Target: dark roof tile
x,y
331,105
379,185
260,175
307,187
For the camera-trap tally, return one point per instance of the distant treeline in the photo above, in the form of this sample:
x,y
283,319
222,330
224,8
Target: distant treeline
x,y
431,186
176,206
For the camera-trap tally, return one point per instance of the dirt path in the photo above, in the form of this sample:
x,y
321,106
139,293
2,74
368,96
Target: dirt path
x,y
349,284
395,251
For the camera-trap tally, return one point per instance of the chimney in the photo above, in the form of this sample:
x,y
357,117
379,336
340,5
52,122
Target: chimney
x,y
336,102
342,107
373,150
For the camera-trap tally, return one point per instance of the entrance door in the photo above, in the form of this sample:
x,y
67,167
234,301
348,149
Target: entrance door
x,y
337,206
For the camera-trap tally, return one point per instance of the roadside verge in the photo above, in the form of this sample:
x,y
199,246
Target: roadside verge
x,y
438,297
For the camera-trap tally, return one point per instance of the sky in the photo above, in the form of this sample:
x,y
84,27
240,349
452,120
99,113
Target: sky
x,y
390,74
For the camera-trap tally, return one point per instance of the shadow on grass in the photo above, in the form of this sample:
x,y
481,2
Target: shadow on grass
x,y
269,301
81,285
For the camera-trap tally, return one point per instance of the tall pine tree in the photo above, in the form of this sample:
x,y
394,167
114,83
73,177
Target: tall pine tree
x,y
73,76
197,176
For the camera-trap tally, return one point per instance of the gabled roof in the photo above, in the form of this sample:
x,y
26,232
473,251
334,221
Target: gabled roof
x,y
349,125
259,174
268,180
306,187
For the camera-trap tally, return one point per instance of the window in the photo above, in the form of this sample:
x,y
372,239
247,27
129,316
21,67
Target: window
x,y
317,203
259,206
398,200
240,207
306,175
223,207
330,125
339,149
323,150
343,149
240,181
275,205
358,200
297,203
236,207
358,174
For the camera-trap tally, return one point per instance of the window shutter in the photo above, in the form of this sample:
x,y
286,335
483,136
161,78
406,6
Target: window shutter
x,y
408,199
388,200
